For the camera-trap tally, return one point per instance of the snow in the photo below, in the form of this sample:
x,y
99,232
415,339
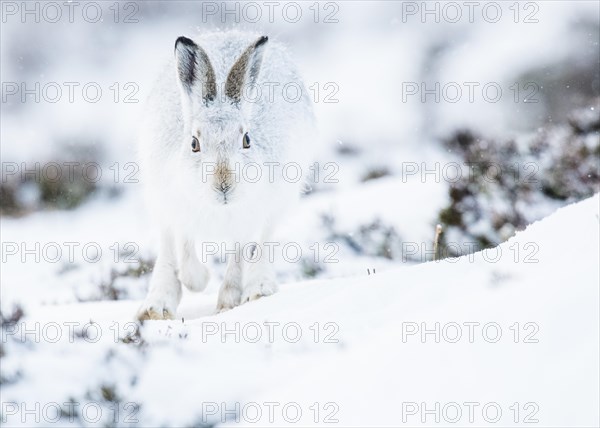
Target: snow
x,y
376,368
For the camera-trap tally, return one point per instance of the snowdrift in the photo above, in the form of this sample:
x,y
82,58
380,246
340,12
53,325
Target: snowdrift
x,y
508,336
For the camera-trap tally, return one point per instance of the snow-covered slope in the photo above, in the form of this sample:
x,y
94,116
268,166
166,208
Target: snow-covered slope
x,y
512,339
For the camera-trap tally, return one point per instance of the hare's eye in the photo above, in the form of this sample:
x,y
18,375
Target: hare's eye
x,y
195,145
246,141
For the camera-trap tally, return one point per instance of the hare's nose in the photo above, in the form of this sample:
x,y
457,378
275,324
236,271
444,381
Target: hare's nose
x,y
225,187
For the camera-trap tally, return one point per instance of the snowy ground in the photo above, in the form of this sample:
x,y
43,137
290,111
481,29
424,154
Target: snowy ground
x,y
511,330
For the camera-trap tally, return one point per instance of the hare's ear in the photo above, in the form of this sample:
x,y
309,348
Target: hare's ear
x,y
245,70
195,72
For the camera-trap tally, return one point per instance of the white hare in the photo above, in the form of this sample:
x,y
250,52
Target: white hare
x,y
227,101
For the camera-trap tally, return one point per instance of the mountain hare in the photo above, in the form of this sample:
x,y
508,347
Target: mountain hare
x,y
224,119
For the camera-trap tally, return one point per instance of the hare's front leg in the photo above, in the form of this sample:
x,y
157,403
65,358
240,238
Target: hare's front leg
x,y
164,293
259,278
192,273
231,289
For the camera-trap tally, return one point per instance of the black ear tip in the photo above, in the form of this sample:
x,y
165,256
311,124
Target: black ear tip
x,y
184,41
261,41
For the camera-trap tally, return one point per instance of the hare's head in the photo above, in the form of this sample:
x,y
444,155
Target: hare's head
x,y
218,136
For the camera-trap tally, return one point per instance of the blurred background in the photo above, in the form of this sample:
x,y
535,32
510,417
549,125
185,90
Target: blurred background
x,y
482,120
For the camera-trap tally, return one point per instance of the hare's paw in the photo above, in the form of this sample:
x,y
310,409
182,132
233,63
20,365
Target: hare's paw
x,y
156,309
257,290
229,297
194,275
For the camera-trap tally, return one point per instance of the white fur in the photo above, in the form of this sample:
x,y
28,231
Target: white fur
x,y
183,199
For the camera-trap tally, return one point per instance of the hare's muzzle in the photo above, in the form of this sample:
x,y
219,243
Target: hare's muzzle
x,y
224,181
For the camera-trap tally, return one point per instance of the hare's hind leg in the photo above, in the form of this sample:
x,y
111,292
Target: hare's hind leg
x,y
231,289
192,273
164,293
